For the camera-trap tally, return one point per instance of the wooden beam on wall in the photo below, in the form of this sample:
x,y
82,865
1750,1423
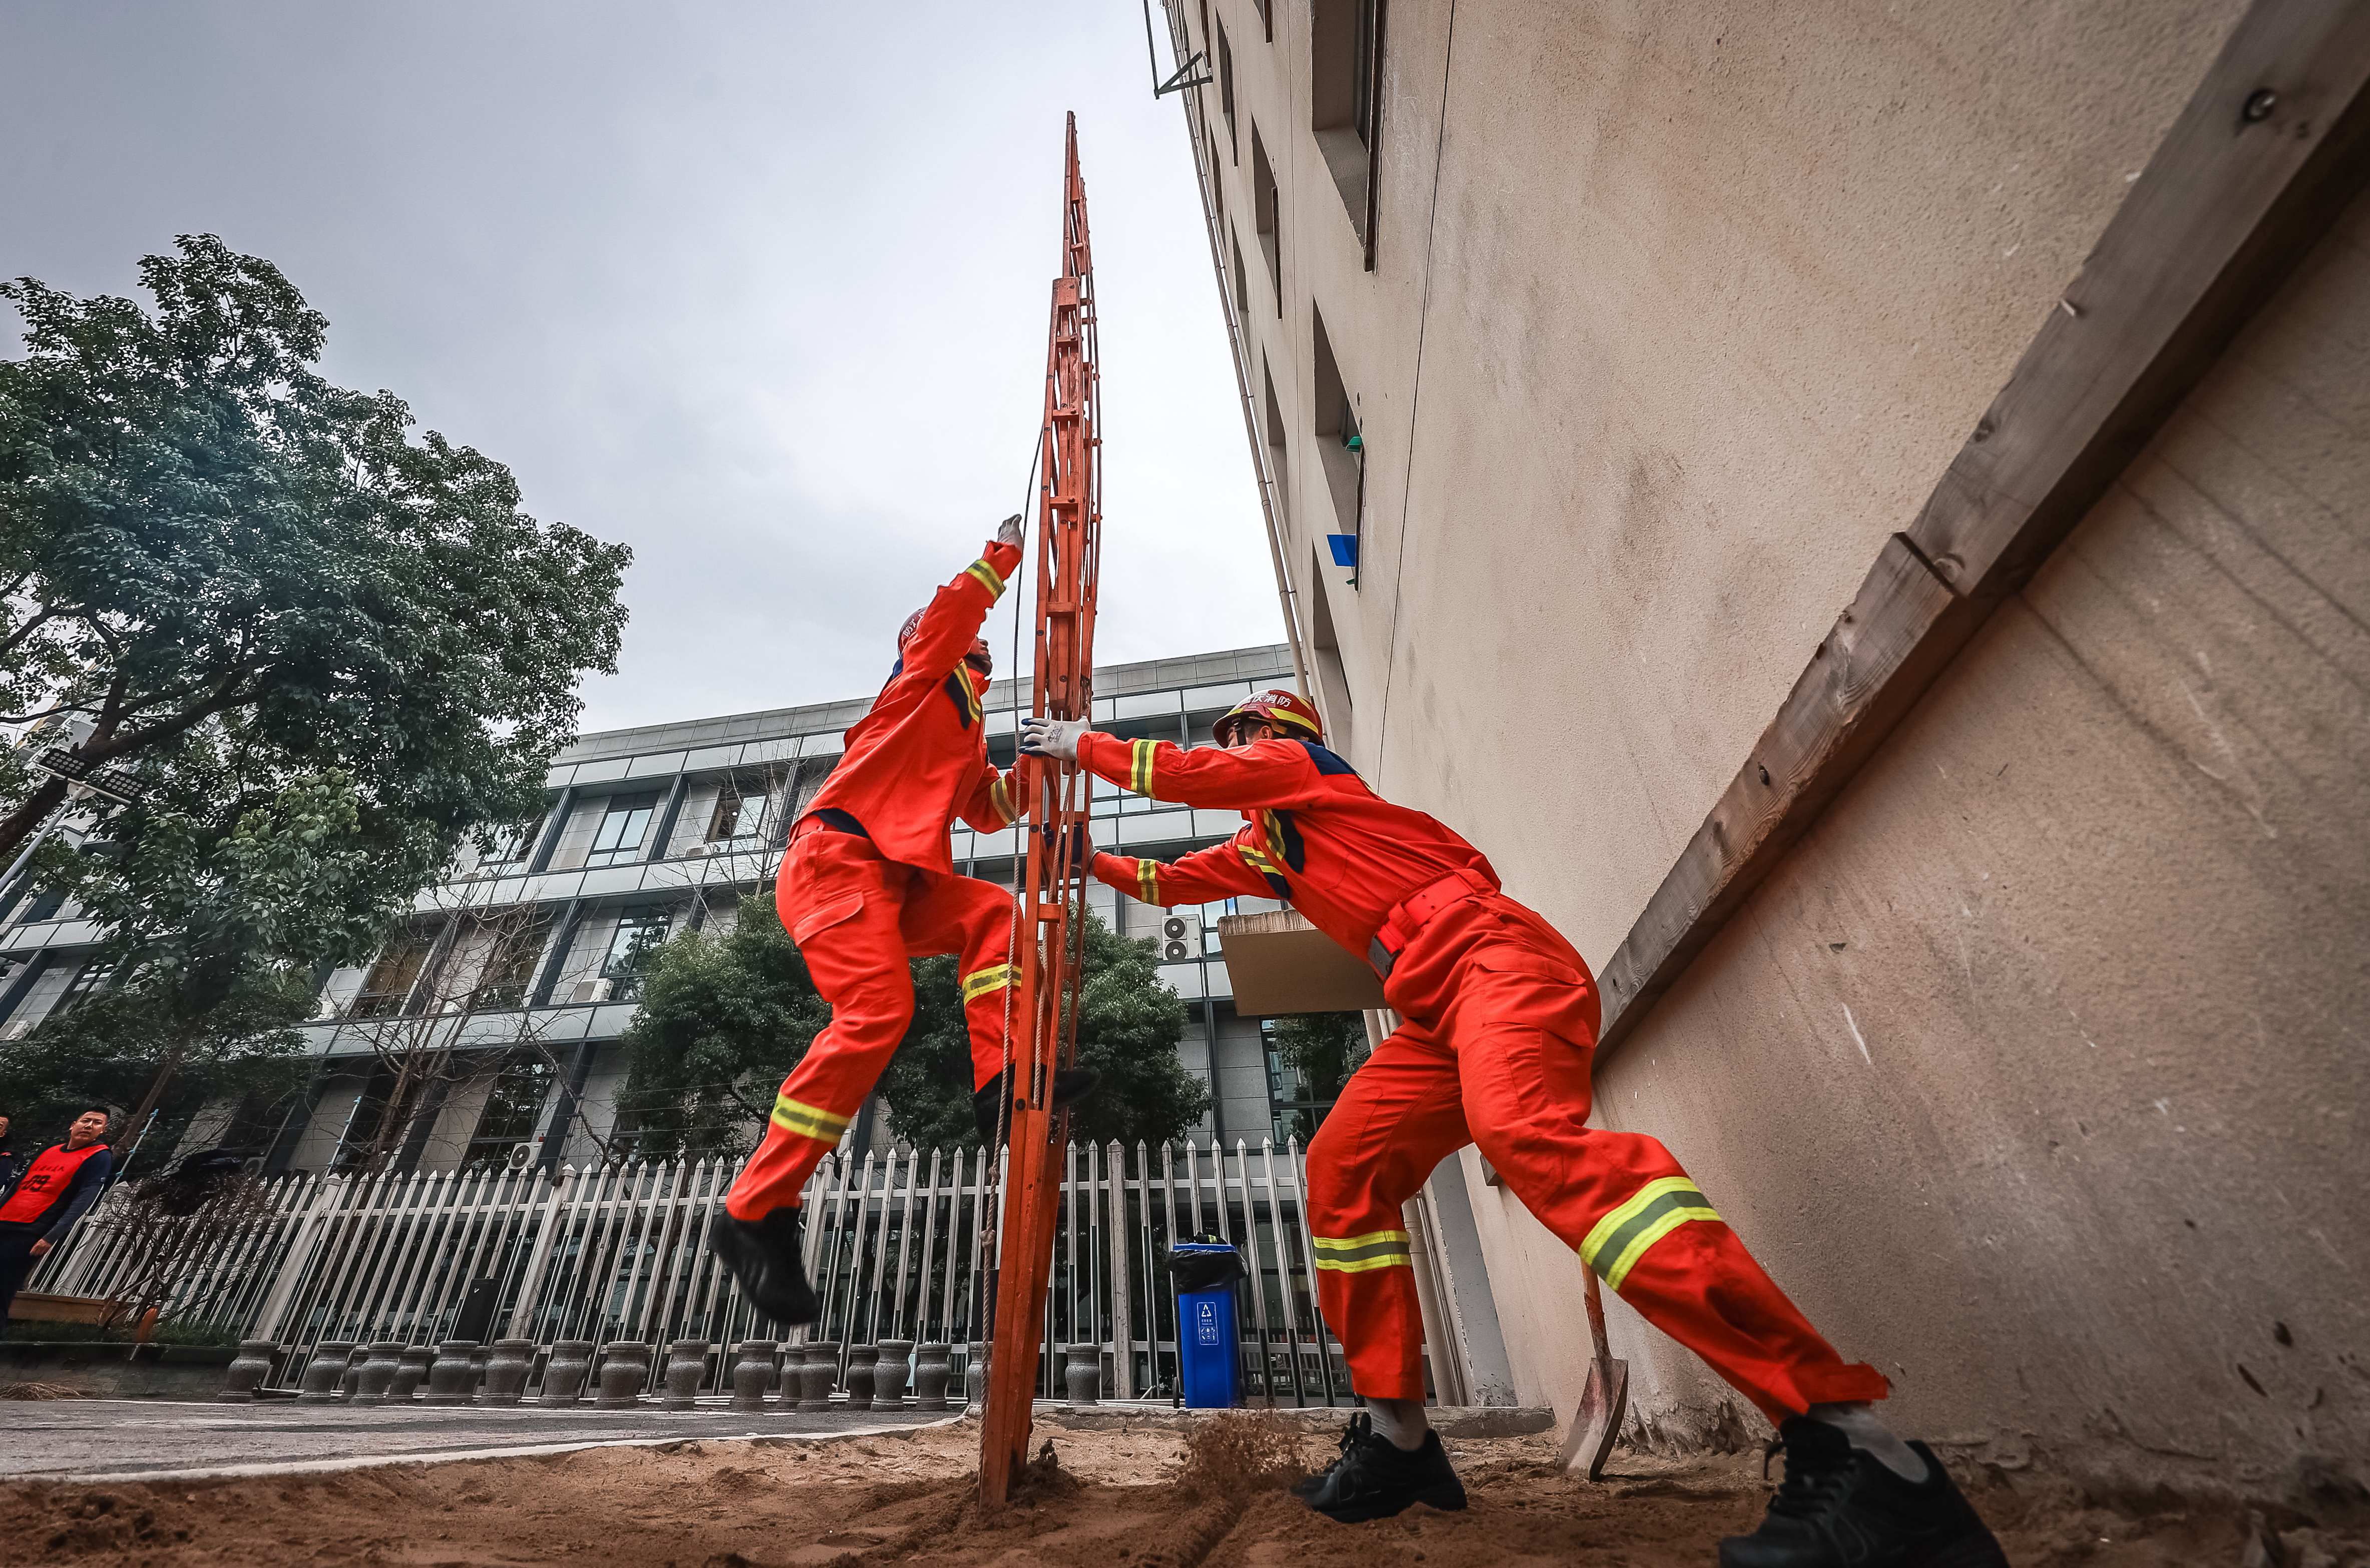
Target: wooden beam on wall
x,y
2262,159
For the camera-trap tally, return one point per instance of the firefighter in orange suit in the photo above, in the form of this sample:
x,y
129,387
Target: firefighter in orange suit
x,y
867,884
1499,1019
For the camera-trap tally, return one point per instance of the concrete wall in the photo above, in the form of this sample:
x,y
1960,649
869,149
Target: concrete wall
x,y
1678,312
2053,1032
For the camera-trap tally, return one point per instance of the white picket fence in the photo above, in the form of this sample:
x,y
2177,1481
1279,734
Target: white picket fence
x,y
619,1253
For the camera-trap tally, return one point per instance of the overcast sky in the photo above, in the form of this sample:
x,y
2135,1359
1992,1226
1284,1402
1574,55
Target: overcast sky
x,y
757,288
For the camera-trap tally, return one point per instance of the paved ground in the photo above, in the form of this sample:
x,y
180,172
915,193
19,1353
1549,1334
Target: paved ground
x,y
122,1439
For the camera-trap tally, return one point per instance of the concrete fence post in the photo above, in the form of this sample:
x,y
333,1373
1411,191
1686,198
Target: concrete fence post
x,y
378,1373
1084,1373
933,1366
452,1379
563,1375
890,1374
753,1374
323,1372
686,1368
248,1372
410,1368
816,1378
625,1367
506,1371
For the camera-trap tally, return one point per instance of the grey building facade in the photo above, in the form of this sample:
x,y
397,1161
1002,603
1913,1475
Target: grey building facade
x,y
490,1026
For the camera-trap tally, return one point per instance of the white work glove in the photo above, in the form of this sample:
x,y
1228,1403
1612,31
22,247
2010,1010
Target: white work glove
x,y
1011,531
1054,737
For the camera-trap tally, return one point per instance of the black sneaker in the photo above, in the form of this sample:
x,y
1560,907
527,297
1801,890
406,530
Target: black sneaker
x,y
1376,1478
765,1256
1842,1508
1306,1487
1070,1084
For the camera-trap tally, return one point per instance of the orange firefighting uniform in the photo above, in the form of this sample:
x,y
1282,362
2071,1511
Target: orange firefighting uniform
x,y
869,883
1500,1022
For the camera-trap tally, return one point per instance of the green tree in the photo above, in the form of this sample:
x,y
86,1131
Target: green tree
x,y
213,937
324,650
237,575
1129,1025
724,1020
240,1055
1321,1047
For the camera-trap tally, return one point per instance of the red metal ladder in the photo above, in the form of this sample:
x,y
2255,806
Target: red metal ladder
x,y
1050,913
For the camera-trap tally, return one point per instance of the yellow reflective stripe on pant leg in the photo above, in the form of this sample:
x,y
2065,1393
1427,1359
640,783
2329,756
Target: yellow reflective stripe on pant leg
x,y
982,982
1616,1242
809,1121
1357,1254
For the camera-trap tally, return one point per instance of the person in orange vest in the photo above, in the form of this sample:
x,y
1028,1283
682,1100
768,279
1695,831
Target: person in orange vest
x,y
1500,1017
867,884
52,1192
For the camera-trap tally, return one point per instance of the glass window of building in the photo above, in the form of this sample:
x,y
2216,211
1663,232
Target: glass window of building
x,y
638,934
511,845
618,840
510,962
513,1106
391,976
88,980
740,812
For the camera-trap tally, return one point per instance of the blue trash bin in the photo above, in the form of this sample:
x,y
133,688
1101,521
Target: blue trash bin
x,y
1209,1364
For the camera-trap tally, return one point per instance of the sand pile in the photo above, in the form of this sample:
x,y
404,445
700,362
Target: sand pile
x,y
1140,1497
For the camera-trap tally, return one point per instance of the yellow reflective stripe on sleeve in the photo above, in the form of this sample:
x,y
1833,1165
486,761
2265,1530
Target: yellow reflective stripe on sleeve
x,y
1148,881
980,983
999,795
1358,1254
1139,771
1617,1241
809,1121
987,578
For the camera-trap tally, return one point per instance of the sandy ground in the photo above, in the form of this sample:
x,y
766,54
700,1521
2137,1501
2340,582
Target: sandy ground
x,y
1136,1497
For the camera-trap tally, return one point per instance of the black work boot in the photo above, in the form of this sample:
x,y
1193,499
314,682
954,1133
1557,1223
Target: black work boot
x,y
1842,1508
1070,1084
766,1257
1376,1478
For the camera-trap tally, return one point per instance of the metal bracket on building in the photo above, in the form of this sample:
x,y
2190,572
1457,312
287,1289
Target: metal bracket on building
x,y
1176,82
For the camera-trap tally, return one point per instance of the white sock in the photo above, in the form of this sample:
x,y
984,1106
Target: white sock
x,y
1399,1420
1871,1437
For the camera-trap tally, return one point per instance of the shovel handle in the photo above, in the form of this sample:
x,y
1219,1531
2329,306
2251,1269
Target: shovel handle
x,y
1596,1317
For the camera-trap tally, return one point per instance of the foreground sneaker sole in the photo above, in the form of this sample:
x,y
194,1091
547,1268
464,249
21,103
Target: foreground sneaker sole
x,y
1448,1497
1967,1551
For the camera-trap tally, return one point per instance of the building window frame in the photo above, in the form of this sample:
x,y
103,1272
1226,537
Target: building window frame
x,y
741,812
393,975
624,824
1267,214
1345,105
637,933
1225,57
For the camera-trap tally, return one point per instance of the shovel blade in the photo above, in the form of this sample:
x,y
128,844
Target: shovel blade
x,y
1604,1403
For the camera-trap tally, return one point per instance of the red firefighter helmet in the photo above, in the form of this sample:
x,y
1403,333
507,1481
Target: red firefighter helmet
x,y
979,658
1288,711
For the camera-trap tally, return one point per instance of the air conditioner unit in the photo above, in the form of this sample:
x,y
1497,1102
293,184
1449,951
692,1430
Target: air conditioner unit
x,y
591,991
1180,938
522,1154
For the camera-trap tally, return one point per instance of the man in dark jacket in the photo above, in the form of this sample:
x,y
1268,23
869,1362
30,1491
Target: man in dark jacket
x,y
7,1156
45,1199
